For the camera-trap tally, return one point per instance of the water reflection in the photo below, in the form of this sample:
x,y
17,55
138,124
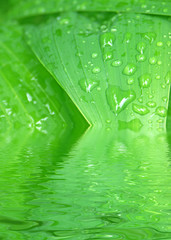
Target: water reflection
x,y
101,185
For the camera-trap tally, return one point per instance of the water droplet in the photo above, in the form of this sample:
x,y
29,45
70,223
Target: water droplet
x,y
165,99
161,111
141,47
64,21
79,54
163,86
127,37
49,109
107,39
117,63
84,99
160,121
141,57
96,70
165,10
150,96
88,85
108,56
151,104
145,80
159,62
130,81
134,125
158,77
94,55
150,36
168,78
29,97
168,43
119,99
140,100
130,69
159,44
152,60
108,121
140,109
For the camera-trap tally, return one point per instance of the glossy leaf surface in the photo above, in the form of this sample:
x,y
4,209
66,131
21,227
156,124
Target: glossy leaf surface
x,y
117,72
29,96
20,9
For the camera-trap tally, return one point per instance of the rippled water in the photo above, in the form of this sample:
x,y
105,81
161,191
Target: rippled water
x,y
98,185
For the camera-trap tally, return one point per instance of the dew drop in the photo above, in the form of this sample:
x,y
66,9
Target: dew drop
x,y
88,85
160,121
119,99
151,104
168,43
165,10
108,121
107,39
150,96
96,70
64,21
127,37
145,80
140,109
141,47
134,125
49,109
168,78
161,111
130,81
164,99
150,36
152,60
130,69
108,56
94,55
29,97
159,62
159,44
84,99
140,100
117,63
158,77
163,86
141,58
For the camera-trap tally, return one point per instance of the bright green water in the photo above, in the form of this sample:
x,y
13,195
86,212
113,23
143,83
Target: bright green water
x,y
98,185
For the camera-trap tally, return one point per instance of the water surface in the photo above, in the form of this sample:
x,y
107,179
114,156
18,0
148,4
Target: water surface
x,y
92,185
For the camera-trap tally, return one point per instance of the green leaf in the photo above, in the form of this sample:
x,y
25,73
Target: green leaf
x,y
28,8
169,116
115,72
29,96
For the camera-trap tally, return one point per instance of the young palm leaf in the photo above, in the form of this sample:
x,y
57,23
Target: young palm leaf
x,y
20,9
29,96
117,73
